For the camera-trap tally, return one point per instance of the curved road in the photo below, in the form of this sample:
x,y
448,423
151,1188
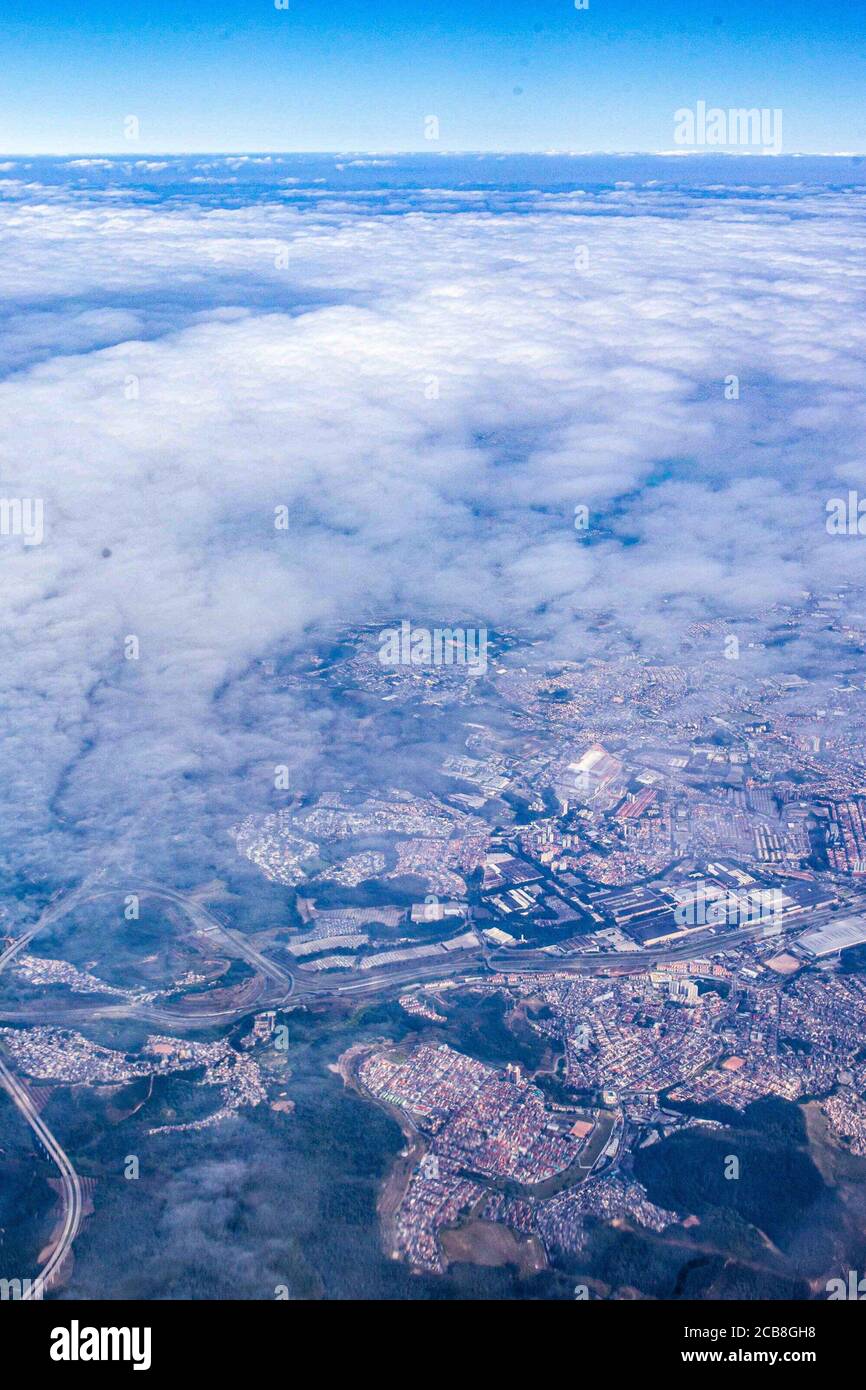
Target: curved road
x,y
71,1183
69,1179
498,961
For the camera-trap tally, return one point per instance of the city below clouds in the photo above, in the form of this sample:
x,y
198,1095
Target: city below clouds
x,y
425,375
432,691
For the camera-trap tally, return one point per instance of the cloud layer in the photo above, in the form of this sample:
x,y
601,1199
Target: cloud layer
x,y
429,389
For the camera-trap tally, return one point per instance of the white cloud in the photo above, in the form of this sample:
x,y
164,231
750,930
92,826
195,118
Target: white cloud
x,y
430,394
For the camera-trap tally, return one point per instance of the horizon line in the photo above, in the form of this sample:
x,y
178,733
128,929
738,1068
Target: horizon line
x,y
681,153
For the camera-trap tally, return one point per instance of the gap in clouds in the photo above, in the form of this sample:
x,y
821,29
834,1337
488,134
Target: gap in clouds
x,y
430,385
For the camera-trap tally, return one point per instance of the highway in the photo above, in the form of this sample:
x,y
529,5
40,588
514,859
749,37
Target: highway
x,y
54,910
72,1205
281,982
71,1192
282,985
207,923
510,961
70,1181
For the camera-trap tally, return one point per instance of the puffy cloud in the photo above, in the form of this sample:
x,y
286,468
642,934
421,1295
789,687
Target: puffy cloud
x,y
430,386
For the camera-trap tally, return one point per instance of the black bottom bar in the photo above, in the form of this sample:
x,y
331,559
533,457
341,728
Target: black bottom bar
x,y
63,1337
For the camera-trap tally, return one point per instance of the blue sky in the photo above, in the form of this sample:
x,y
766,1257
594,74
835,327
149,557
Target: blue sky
x,y
238,75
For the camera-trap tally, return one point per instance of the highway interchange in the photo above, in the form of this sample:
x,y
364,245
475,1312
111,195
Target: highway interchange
x,y
279,987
